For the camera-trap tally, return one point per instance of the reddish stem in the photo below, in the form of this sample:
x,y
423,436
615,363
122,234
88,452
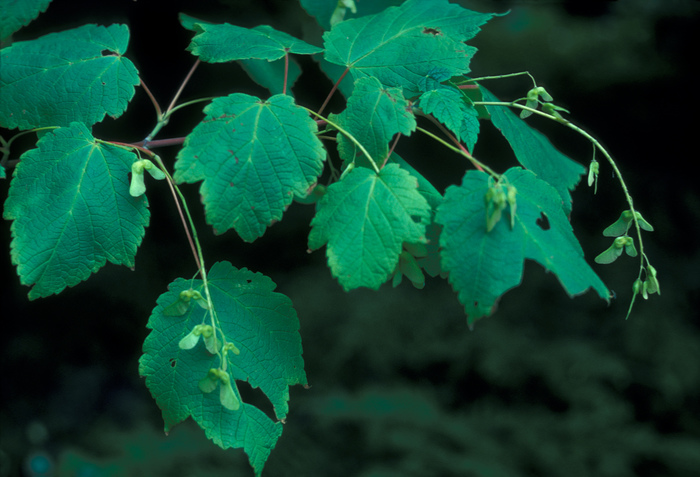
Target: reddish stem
x,y
173,141
456,142
182,86
153,99
184,224
391,151
286,71
138,146
335,86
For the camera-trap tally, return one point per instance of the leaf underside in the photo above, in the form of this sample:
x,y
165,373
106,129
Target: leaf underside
x,y
484,265
72,211
264,327
535,152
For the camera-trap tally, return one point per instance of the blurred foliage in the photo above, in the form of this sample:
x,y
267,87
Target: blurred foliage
x,y
622,42
520,395
529,392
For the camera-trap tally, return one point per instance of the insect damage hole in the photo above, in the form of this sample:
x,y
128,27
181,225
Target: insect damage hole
x,y
257,398
543,221
432,31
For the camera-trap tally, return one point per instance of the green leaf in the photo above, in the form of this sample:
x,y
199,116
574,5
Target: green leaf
x,y
473,95
217,43
188,22
365,218
322,10
18,13
373,115
483,266
72,211
403,44
268,74
262,324
254,156
430,261
452,108
534,151
425,187
76,75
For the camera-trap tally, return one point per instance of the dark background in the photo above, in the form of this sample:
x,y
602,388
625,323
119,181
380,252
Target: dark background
x,y
547,386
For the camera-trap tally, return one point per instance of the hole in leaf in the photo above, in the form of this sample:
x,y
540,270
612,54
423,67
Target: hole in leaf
x,y
543,221
257,398
173,362
432,31
416,219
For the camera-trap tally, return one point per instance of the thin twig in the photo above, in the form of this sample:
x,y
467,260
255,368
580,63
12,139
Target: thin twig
x,y
391,151
153,99
177,195
335,86
182,86
184,225
286,72
465,152
173,141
